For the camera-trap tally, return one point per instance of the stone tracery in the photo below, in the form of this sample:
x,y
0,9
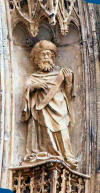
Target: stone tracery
x,y
32,12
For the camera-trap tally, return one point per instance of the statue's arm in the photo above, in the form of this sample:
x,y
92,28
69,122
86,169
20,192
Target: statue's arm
x,y
25,112
35,83
32,85
68,82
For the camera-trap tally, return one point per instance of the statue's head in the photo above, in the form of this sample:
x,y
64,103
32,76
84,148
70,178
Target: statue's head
x,y
43,55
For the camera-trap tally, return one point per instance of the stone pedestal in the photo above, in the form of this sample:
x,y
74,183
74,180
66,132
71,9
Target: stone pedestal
x,y
50,176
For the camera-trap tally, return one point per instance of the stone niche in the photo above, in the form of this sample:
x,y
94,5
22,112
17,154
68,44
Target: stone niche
x,y
69,55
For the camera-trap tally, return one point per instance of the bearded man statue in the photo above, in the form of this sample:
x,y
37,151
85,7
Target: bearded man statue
x,y
47,108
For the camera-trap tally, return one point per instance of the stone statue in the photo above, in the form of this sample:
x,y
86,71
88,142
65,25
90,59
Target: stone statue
x,y
47,108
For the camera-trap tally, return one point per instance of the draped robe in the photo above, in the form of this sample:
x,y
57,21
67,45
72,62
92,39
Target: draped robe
x,y
48,112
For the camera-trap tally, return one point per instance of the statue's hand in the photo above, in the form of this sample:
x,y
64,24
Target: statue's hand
x,y
39,85
67,75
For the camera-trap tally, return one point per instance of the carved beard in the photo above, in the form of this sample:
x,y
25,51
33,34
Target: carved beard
x,y
46,65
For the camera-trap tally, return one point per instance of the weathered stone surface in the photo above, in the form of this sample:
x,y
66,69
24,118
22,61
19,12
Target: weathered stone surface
x,y
81,57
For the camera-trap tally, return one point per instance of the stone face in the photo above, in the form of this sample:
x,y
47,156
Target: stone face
x,y
77,50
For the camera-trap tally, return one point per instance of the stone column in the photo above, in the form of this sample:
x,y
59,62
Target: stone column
x,y
6,95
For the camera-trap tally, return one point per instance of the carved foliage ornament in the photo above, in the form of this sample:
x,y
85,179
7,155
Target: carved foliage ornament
x,y
33,11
